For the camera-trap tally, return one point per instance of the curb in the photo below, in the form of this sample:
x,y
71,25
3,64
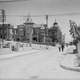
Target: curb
x,y
77,69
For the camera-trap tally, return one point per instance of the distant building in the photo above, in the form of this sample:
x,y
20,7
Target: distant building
x,y
25,30
43,33
20,34
6,31
36,34
28,26
31,32
39,33
15,34
55,33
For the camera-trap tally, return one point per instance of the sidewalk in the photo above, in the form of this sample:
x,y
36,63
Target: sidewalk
x,y
5,51
68,62
22,51
68,59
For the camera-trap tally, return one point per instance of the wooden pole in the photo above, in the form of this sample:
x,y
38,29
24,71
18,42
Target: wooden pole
x,y
3,20
46,31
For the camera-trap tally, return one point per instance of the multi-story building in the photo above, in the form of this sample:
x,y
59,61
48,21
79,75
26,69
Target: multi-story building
x,y
15,35
6,31
20,34
55,33
36,34
28,26
25,31
39,33
31,32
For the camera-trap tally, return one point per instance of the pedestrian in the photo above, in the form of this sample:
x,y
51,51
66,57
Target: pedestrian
x,y
59,47
62,46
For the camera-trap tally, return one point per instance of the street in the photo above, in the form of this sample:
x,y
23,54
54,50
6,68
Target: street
x,y
43,64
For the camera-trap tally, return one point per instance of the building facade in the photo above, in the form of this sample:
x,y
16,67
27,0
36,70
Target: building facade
x,y
6,32
55,33
20,34
25,30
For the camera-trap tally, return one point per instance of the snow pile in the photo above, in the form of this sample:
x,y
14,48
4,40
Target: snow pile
x,y
69,49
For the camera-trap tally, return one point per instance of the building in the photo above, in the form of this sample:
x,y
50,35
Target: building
x,y
15,34
39,33
20,33
25,30
36,34
43,33
31,32
6,31
28,26
55,33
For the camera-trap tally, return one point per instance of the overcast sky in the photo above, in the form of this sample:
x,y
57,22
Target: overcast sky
x,y
43,7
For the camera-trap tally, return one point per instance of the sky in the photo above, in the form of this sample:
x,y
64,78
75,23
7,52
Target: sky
x,y
43,7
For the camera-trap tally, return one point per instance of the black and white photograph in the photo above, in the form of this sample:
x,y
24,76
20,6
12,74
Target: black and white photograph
x,y
39,39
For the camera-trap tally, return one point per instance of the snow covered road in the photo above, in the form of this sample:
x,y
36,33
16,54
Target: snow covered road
x,y
44,64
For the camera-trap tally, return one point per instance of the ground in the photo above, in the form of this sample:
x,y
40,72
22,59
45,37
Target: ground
x,y
41,64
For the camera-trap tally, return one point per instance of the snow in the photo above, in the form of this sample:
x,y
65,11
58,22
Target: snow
x,y
43,64
69,49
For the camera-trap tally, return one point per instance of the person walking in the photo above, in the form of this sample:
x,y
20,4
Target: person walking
x,y
59,47
62,46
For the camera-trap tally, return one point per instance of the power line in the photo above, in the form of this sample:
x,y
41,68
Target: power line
x,y
64,14
7,1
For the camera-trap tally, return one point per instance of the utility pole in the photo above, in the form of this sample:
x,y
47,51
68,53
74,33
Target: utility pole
x,y
3,21
47,31
3,16
37,37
